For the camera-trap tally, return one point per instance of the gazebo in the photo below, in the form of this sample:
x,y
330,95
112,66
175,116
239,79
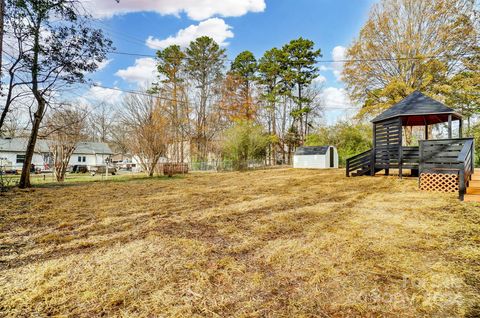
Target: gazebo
x,y
435,159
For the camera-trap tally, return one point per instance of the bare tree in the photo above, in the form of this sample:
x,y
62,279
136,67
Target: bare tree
x,y
101,122
65,128
15,125
13,53
148,129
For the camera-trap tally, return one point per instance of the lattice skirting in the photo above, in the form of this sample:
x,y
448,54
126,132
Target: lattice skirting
x,y
439,182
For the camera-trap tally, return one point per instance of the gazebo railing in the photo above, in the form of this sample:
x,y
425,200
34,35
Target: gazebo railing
x,y
449,156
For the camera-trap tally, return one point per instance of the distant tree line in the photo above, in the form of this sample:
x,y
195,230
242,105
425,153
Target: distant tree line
x,y
203,98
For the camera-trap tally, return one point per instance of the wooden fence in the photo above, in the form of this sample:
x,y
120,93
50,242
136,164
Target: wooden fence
x,y
170,169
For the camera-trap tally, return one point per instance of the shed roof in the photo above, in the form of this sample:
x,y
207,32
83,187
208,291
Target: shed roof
x,y
312,150
422,108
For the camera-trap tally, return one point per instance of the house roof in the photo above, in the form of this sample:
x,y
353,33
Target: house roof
x,y
93,148
20,145
309,151
421,108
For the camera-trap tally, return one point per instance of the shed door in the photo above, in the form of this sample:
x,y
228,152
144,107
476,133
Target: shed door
x,y
332,158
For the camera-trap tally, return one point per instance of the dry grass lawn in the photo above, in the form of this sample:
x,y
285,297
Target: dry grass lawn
x,y
278,243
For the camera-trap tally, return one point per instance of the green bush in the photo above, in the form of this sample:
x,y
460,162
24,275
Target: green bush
x,y
243,142
350,139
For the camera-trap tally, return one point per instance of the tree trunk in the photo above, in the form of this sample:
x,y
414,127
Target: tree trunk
x,y
274,133
25,177
300,108
2,23
37,117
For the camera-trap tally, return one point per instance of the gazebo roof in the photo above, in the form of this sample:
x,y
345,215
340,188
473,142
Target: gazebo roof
x,y
418,109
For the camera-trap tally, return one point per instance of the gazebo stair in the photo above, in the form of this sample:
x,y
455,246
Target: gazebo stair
x,y
473,190
476,177
471,198
365,171
474,183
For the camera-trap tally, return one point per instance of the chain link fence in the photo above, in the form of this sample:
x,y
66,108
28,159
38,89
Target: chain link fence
x,y
228,165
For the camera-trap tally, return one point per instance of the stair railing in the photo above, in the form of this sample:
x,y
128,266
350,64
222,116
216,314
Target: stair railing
x,y
359,161
467,166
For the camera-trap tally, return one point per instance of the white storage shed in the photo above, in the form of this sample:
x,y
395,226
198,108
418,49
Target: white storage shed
x,y
316,157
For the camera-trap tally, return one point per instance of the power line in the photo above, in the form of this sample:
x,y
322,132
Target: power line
x,y
135,92
327,61
141,93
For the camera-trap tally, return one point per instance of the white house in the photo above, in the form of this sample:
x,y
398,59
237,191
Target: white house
x,y
90,154
12,154
317,157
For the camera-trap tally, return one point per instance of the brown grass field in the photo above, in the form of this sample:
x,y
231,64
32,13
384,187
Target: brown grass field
x,y
276,243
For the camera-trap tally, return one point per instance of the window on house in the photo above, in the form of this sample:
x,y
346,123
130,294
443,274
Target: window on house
x,y
79,159
84,159
20,158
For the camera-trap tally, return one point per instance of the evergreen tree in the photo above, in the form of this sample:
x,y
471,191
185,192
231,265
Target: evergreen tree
x,y
299,67
171,69
244,69
205,63
269,78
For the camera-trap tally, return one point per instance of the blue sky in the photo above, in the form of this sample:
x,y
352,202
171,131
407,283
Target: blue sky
x,y
142,26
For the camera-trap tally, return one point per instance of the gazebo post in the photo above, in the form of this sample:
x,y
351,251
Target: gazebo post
x,y
426,127
450,126
373,155
460,128
400,149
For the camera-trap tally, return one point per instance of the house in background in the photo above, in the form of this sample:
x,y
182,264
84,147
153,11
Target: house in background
x,y
86,154
90,154
12,154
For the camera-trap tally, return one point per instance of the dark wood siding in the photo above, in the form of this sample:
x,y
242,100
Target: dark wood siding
x,y
388,139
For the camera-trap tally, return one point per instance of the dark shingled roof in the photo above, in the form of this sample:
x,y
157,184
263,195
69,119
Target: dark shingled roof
x,y
417,104
309,151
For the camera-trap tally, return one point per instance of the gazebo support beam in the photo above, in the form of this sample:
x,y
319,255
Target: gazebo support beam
x,y
426,127
450,126
400,149
460,128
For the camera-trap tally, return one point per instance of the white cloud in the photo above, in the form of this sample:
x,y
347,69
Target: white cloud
x,y
320,80
97,95
103,64
142,72
195,9
104,94
323,68
336,98
338,54
215,28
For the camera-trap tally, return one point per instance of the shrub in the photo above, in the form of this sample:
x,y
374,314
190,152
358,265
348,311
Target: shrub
x,y
243,142
350,139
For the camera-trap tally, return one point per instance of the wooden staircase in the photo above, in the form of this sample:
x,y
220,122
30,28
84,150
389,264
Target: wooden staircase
x,y
473,190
